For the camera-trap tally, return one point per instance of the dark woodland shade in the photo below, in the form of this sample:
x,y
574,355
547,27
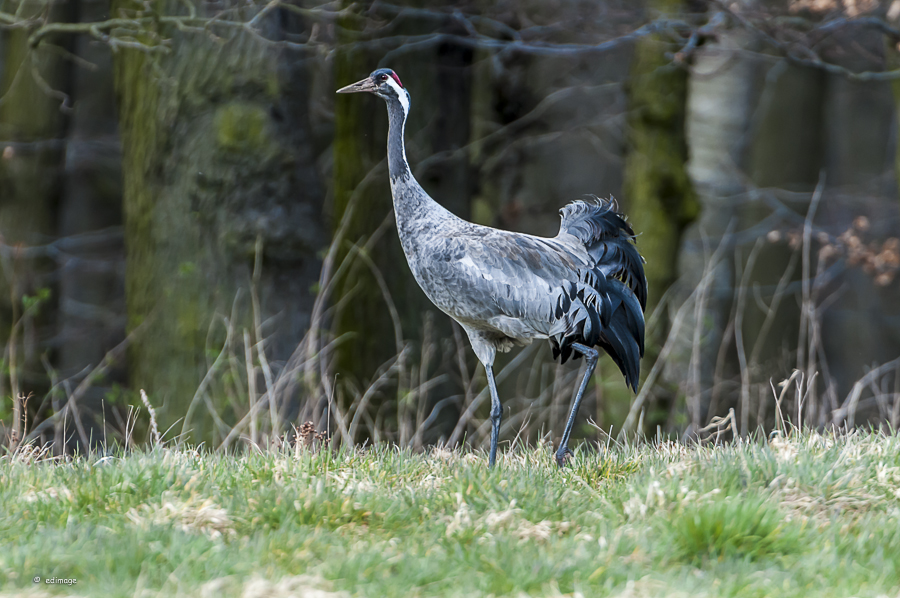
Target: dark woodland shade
x,y
491,134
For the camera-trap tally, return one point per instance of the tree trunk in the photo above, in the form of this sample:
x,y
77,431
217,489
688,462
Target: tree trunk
x,y
659,193
218,168
32,128
860,327
436,133
91,283
722,93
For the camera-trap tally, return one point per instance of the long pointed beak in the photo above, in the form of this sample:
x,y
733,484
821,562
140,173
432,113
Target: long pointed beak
x,y
364,85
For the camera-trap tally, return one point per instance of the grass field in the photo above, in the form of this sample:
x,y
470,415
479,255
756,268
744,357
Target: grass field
x,y
806,515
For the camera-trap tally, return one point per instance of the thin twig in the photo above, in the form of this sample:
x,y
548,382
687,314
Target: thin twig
x,y
251,388
260,340
739,336
848,409
154,430
807,310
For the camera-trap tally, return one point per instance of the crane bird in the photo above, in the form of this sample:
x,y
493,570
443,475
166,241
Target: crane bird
x,y
582,289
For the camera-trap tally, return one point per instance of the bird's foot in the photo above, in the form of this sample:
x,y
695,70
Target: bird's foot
x,y
563,455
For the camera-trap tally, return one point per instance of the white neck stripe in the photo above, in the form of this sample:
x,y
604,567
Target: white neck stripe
x,y
401,95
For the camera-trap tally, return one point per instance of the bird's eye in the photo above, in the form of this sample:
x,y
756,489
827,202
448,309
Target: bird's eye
x,y
382,77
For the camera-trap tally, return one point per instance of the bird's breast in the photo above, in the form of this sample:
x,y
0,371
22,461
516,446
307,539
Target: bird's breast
x,y
446,280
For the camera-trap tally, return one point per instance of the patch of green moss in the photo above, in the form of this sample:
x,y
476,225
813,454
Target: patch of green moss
x,y
185,269
659,192
241,127
273,85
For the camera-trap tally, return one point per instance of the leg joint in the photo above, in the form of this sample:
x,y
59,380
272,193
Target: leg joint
x,y
590,353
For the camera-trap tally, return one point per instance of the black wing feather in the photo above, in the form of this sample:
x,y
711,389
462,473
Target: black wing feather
x,y
609,239
613,294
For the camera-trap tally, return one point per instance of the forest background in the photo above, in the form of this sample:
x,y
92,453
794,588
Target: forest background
x,y
188,210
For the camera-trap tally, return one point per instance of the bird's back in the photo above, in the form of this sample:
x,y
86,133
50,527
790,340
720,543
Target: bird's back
x,y
585,285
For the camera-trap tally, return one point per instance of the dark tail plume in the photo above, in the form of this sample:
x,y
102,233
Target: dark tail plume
x,y
606,308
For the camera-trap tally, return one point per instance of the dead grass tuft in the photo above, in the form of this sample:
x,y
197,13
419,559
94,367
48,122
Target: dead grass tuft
x,y
30,453
300,586
509,520
818,508
195,515
47,496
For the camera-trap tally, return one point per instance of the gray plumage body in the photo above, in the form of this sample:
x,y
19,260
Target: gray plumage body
x,y
583,288
509,289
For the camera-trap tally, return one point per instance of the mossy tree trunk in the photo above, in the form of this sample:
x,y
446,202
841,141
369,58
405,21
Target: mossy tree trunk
x,y
658,191
437,129
218,162
657,187
362,202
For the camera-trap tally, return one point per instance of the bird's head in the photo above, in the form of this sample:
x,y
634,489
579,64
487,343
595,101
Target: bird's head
x,y
385,84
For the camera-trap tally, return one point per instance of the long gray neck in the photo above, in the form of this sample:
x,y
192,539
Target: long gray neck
x,y
398,167
411,203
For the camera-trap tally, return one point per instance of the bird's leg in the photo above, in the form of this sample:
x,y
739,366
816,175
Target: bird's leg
x,y
591,355
496,415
